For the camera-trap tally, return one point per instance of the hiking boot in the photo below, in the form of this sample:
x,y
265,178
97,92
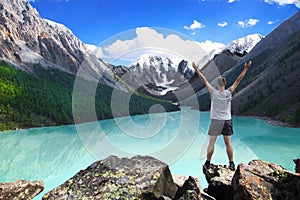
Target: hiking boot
x,y
207,164
231,166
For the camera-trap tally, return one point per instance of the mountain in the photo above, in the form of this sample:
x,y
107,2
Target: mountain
x,y
26,39
243,46
271,85
163,77
234,51
155,75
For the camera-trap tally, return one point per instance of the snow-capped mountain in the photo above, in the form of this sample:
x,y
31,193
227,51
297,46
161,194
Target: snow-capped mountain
x,y
147,61
26,39
244,45
162,64
156,75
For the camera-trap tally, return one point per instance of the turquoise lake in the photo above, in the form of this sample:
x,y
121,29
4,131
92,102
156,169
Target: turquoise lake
x,y
54,154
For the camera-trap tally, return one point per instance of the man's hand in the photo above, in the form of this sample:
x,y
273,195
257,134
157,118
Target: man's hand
x,y
240,77
247,65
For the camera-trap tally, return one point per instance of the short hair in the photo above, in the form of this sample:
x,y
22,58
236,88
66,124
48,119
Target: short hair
x,y
221,81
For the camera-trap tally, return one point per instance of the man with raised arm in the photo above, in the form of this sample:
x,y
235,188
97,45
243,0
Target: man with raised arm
x,y
220,113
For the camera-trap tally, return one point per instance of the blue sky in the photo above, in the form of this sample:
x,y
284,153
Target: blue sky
x,y
95,21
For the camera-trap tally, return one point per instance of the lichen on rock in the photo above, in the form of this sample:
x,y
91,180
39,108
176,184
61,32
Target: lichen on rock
x,y
21,189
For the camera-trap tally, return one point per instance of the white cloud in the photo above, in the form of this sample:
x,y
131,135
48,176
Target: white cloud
x,y
150,41
210,46
284,2
271,22
231,1
194,26
248,23
222,24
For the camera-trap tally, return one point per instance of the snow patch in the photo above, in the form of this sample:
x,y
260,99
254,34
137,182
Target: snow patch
x,y
165,91
245,44
58,26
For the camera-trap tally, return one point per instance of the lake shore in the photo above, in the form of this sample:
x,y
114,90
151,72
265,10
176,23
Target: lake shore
x,y
7,124
271,121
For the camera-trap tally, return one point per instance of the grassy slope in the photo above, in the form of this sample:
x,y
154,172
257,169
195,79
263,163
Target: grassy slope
x,y
45,98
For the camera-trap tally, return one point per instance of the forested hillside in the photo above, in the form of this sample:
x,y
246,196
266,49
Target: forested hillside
x,y
45,98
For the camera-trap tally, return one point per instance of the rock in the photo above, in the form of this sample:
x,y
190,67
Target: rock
x,y
141,177
297,167
263,180
182,182
190,189
21,189
219,179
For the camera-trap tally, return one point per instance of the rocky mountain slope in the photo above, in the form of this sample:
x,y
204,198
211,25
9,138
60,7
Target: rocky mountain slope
x,y
271,86
155,75
26,40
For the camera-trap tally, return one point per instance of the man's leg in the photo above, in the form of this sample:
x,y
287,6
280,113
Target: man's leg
x,y
211,147
229,149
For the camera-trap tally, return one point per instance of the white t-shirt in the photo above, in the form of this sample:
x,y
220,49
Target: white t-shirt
x,y
220,105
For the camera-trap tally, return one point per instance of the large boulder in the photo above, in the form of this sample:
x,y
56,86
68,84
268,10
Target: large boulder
x,y
21,189
264,180
141,177
219,179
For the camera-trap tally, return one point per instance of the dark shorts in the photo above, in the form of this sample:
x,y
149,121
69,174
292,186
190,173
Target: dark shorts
x,y
218,127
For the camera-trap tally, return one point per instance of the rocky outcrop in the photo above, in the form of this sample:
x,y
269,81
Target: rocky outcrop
x,y
257,180
21,189
219,179
264,180
140,177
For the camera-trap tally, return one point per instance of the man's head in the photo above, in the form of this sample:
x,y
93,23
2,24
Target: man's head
x,y
221,82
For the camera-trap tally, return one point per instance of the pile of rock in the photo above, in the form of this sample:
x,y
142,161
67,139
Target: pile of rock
x,y
256,180
146,178
141,177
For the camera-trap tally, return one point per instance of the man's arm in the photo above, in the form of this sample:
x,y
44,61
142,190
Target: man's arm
x,y
240,77
206,83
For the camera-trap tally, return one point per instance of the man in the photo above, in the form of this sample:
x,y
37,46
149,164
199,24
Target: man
x,y
220,113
